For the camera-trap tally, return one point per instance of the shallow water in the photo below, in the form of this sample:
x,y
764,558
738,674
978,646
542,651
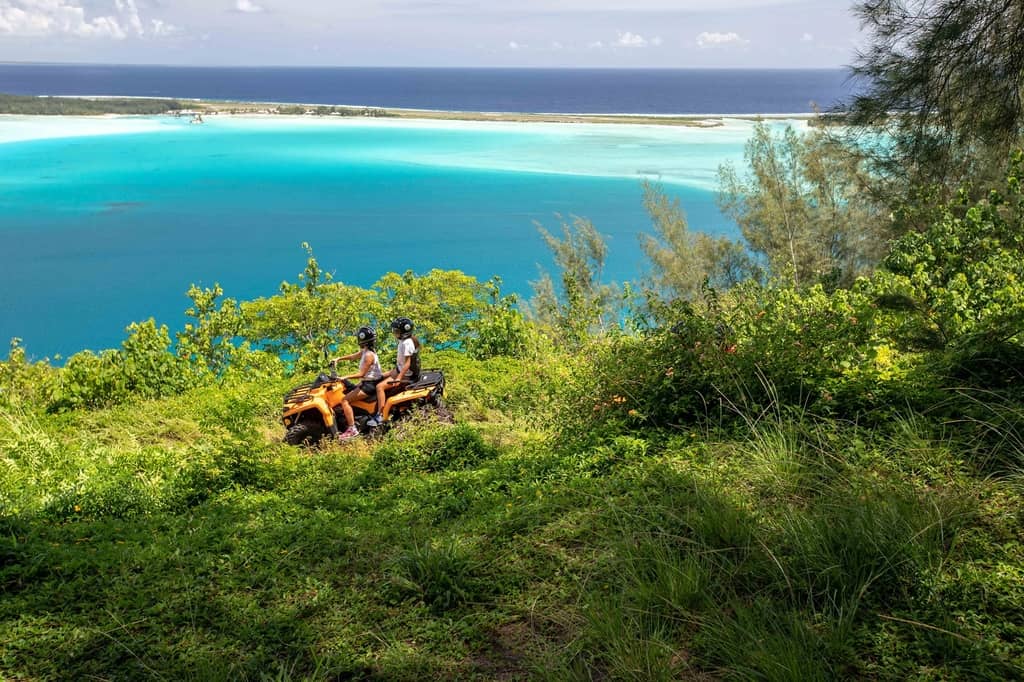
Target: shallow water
x,y
107,221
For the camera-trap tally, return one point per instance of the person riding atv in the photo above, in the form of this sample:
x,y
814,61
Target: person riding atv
x,y
407,364
369,374
313,410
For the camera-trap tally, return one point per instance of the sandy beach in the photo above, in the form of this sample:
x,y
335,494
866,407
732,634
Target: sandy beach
x,y
689,120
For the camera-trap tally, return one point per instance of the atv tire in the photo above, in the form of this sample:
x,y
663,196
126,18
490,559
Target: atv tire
x,y
303,434
441,412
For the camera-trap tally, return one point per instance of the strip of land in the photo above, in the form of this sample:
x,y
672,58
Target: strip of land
x,y
95,106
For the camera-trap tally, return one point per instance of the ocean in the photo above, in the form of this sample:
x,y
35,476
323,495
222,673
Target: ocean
x,y
598,91
109,220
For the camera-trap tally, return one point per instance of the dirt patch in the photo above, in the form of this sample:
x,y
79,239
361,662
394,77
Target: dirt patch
x,y
509,652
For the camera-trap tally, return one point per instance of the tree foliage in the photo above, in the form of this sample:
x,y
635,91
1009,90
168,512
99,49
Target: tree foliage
x,y
582,305
143,367
441,303
683,261
207,341
26,105
944,79
801,207
961,281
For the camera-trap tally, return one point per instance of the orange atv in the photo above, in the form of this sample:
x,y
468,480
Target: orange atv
x,y
313,410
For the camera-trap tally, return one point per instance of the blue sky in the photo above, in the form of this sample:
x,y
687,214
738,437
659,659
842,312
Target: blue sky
x,y
535,33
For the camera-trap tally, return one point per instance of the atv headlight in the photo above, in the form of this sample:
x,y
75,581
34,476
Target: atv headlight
x,y
287,421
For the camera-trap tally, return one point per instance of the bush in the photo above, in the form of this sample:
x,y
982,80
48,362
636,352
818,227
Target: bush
x,y
960,283
441,574
436,449
23,382
143,367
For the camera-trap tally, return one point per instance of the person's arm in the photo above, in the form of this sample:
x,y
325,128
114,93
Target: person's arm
x,y
405,368
352,356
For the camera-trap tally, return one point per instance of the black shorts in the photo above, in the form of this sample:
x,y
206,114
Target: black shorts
x,y
369,387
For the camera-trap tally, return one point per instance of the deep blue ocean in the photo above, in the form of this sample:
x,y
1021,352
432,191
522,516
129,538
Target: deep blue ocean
x,y
646,91
106,221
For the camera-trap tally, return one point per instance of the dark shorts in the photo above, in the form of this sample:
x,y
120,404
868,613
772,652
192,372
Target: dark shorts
x,y
369,387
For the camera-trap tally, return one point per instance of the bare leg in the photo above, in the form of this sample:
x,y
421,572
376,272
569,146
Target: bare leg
x,y
381,388
350,418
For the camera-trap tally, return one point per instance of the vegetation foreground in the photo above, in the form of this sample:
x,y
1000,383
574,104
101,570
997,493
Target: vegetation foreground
x,y
177,538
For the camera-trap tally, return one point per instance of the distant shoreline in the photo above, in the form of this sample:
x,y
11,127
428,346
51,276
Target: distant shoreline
x,y
92,105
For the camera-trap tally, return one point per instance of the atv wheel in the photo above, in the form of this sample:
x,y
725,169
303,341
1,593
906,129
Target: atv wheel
x,y
441,412
302,434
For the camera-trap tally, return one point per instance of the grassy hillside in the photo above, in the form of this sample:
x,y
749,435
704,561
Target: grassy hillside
x,y
178,538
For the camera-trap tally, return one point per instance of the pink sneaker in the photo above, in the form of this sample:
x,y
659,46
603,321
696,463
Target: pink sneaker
x,y
348,434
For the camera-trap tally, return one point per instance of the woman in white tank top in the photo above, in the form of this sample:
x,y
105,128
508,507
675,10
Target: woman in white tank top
x,y
369,373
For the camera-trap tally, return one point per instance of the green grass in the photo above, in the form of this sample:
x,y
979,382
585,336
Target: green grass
x,y
178,539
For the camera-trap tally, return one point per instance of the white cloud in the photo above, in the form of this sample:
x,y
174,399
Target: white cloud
x,y
627,39
630,39
513,45
247,7
130,14
713,39
65,17
21,21
162,28
806,38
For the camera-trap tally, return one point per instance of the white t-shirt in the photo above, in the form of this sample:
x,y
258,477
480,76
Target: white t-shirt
x,y
406,348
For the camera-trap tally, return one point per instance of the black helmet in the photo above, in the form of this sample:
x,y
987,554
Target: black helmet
x,y
402,326
365,336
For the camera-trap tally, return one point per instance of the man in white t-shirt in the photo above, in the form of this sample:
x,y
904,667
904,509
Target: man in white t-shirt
x,y
407,365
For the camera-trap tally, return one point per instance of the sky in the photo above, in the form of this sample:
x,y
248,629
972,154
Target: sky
x,y
496,33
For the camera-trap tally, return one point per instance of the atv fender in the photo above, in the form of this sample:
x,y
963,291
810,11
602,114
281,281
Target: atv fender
x,y
404,397
325,411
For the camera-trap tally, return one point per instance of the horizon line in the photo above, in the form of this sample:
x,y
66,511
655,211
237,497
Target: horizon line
x,y
421,67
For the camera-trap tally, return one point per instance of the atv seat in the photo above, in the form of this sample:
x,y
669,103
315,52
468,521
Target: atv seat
x,y
430,377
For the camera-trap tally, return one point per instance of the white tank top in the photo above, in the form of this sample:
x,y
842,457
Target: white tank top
x,y
373,372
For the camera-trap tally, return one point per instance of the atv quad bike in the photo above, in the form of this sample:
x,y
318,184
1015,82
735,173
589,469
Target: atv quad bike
x,y
313,410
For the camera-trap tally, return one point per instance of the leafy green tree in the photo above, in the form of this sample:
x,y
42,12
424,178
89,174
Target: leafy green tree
x,y
683,261
501,330
960,283
308,317
582,305
800,205
440,303
207,341
302,326
310,279
944,79
144,367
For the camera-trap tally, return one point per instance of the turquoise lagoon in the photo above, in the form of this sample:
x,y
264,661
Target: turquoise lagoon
x,y
108,221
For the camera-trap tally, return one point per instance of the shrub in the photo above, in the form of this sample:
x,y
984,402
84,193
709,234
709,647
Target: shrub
x,y
143,367
23,382
441,574
961,281
436,449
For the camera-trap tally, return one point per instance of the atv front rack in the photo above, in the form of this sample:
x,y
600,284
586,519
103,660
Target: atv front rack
x,y
301,393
